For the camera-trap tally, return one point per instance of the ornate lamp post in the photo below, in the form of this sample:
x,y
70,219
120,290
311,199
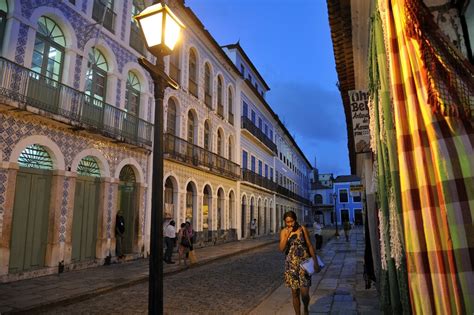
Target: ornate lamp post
x,y
334,196
160,29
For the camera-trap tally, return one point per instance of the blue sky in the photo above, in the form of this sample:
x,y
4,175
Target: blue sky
x,y
289,43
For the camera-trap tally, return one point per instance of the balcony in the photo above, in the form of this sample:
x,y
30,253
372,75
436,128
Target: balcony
x,y
180,150
254,178
220,110
257,133
288,193
81,110
104,15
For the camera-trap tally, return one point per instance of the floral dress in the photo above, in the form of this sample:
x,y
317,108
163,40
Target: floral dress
x,y
295,276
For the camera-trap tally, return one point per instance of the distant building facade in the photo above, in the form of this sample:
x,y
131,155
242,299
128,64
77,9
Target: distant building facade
x,y
348,203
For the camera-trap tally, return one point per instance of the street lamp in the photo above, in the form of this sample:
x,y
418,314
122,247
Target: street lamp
x,y
334,196
160,29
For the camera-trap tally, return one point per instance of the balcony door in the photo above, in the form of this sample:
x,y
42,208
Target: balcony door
x,y
95,89
132,106
47,64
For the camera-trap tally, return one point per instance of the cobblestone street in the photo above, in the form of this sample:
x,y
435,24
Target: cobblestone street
x,y
233,285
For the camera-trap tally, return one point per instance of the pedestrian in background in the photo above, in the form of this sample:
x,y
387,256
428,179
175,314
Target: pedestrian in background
x,y
347,228
253,228
119,233
317,230
170,238
184,244
296,243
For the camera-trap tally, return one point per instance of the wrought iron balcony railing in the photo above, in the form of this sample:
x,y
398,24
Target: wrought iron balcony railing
x,y
288,193
254,130
28,87
101,11
254,178
191,154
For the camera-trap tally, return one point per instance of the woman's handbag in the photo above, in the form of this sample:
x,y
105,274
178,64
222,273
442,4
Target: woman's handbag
x,y
308,265
192,257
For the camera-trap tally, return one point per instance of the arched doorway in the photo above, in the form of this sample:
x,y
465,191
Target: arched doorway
x,y
207,213
220,212
170,199
260,220
244,211
86,209
265,207
29,234
128,204
252,210
231,210
191,201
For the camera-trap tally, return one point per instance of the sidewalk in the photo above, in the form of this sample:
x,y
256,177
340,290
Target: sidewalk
x,y
338,289
37,293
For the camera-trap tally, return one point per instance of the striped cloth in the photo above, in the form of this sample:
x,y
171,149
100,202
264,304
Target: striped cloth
x,y
436,164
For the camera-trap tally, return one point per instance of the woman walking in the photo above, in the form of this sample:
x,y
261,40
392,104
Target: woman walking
x,y
296,243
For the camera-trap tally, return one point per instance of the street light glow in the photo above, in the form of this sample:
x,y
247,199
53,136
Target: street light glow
x,y
160,27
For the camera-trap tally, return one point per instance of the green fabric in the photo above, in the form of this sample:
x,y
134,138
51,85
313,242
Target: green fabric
x,y
394,293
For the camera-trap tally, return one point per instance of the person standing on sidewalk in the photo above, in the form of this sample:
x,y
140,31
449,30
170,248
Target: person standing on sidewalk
x,y
347,228
119,233
184,244
317,228
296,243
253,228
170,237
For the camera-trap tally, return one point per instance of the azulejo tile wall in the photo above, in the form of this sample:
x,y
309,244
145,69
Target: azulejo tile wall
x,y
3,189
15,128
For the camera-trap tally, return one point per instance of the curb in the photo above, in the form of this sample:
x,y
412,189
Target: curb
x,y
87,295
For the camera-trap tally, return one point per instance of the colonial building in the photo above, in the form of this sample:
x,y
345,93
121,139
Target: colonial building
x,y
76,138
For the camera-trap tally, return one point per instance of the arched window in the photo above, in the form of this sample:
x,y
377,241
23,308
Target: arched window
x,y
190,127
3,20
207,86
318,199
220,101
220,143
88,167
230,107
96,76
127,174
132,95
230,148
171,118
48,54
207,136
136,39
192,83
175,67
35,156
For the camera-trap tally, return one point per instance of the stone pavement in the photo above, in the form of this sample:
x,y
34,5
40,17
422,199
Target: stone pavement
x,y
338,289
35,294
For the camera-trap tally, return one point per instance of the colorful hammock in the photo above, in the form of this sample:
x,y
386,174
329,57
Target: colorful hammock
x,y
432,99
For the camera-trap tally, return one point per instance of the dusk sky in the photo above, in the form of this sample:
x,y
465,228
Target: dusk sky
x,y
289,43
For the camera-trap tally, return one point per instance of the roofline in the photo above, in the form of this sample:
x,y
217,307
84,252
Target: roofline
x,y
247,59
193,16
